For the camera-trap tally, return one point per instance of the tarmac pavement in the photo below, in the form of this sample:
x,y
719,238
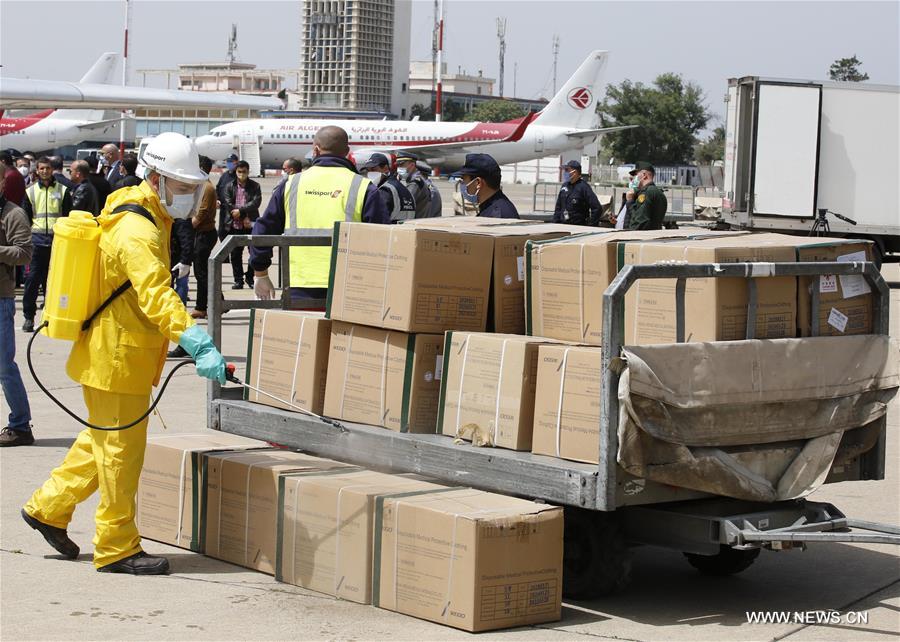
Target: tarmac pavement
x,y
46,598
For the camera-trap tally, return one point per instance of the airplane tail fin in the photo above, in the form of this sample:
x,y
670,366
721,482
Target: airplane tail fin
x,y
99,73
575,104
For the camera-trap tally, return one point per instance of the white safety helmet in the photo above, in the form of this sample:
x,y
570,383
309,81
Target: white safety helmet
x,y
175,156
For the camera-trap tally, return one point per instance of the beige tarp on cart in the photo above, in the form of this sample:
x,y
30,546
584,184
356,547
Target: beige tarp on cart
x,y
760,420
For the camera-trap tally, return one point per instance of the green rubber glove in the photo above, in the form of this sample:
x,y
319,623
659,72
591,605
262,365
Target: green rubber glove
x,y
209,361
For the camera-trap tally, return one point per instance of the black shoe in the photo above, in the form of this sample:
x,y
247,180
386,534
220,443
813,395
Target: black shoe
x,y
56,537
177,353
28,326
237,286
138,564
11,437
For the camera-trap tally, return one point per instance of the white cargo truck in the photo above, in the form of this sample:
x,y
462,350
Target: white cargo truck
x,y
801,152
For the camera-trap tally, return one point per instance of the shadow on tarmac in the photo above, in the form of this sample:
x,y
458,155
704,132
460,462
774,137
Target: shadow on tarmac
x,y
666,591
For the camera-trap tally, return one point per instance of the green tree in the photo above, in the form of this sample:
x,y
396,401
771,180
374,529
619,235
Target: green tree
x,y
452,112
847,69
711,149
495,111
668,114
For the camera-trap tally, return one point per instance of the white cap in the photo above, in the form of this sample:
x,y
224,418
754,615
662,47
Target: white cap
x,y
174,156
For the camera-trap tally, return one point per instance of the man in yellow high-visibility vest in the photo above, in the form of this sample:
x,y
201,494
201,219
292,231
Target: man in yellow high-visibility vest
x,y
310,203
47,200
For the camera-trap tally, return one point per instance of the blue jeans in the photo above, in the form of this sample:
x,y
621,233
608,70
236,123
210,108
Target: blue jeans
x,y
10,379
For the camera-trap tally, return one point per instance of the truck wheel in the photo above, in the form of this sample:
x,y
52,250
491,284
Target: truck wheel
x,y
728,561
596,561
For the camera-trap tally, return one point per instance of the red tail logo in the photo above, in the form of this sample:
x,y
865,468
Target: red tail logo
x,y
580,97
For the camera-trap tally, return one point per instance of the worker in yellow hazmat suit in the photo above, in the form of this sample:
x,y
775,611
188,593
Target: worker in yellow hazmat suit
x,y
120,357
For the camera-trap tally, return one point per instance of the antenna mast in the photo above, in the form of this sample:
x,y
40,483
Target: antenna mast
x,y
232,44
501,36
555,57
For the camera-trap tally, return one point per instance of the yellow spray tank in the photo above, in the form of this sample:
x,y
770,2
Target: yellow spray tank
x,y
71,295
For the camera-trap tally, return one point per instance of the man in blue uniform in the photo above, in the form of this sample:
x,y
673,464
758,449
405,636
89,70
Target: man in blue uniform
x,y
576,204
397,199
481,184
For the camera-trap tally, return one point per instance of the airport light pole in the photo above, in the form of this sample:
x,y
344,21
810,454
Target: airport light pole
x,y
124,114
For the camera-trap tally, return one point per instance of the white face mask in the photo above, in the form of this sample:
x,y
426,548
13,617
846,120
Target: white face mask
x,y
402,173
182,205
375,177
23,170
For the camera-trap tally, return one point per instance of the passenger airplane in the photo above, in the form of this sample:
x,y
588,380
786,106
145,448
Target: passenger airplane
x,y
57,127
568,122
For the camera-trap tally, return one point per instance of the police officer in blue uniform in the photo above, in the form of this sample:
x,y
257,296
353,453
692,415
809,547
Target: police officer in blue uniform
x,y
480,184
576,204
397,199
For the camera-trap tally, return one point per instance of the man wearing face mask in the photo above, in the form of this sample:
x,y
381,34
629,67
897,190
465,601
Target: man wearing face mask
x,y
576,204
408,174
397,199
23,166
480,184
645,202
120,357
329,191
225,179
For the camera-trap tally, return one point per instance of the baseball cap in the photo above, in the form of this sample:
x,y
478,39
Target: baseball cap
x,y
376,160
640,165
233,157
573,164
480,165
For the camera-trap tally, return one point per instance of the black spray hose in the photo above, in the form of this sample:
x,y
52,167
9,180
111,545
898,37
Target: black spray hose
x,y
79,419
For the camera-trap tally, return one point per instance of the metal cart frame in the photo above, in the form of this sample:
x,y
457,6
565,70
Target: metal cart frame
x,y
680,519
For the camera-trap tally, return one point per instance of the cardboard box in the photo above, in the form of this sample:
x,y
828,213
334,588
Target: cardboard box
x,y
287,356
172,489
568,428
487,388
409,278
384,378
715,309
472,560
506,311
566,278
242,503
845,303
326,526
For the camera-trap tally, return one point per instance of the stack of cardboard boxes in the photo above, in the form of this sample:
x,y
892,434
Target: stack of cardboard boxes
x,y
457,556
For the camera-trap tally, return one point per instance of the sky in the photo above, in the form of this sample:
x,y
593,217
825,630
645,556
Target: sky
x,y
705,42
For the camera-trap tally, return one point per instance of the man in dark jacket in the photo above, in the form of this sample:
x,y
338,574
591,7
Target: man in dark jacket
x,y
480,184
227,177
241,200
56,162
576,204
84,196
98,181
129,176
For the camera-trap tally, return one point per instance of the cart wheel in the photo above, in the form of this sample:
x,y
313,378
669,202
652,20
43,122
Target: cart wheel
x,y
728,561
596,560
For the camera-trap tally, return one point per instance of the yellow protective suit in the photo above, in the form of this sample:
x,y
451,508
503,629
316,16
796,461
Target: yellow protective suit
x,y
117,361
